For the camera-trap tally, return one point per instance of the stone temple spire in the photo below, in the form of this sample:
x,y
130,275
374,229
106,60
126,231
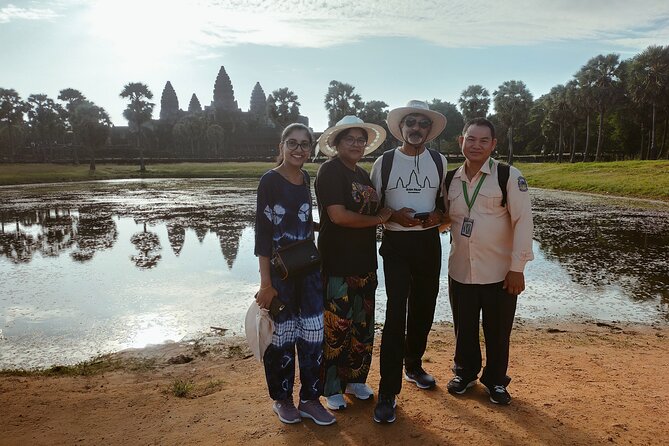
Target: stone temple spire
x,y
258,101
169,104
194,105
224,95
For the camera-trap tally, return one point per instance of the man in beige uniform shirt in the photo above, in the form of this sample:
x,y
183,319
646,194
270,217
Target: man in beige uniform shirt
x,y
490,246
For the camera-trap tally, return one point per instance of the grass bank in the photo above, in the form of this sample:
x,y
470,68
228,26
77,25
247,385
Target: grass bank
x,y
645,179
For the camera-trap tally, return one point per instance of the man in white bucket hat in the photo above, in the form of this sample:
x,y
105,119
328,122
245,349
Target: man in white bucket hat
x,y
409,180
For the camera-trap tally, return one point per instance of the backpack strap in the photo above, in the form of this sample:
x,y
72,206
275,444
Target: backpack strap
x,y
449,178
503,173
386,165
436,157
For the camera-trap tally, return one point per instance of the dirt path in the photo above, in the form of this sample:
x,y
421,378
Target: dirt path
x,y
578,383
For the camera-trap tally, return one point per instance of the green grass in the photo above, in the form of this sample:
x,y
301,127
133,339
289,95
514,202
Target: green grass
x,y
645,179
181,388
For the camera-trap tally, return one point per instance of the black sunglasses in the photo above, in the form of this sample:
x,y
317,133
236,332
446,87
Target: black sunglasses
x,y
423,123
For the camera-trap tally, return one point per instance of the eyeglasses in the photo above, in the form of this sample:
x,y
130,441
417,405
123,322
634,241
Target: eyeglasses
x,y
423,123
351,141
293,145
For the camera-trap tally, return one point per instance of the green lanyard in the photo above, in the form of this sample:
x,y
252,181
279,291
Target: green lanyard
x,y
476,191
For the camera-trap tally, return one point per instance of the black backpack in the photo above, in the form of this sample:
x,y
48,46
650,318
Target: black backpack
x,y
503,172
387,164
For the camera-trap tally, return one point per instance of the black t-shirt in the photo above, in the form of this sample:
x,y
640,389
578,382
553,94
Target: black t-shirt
x,y
346,251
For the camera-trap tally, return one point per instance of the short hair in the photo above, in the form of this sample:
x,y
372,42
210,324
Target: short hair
x,y
296,126
341,135
482,122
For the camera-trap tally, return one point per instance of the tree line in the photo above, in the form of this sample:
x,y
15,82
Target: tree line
x,y
610,108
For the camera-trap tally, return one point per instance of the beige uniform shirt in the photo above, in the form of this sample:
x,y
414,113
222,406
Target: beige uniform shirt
x,y
501,238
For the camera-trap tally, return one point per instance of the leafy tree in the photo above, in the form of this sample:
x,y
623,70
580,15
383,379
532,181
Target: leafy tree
x,y
557,114
648,83
283,107
474,102
512,103
190,131
340,101
194,105
138,112
92,124
72,98
45,118
454,123
600,79
12,109
374,112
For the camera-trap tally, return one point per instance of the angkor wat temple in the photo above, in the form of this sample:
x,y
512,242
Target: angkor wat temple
x,y
220,130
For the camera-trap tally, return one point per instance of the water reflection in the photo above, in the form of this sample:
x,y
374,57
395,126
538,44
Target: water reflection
x,y
97,267
602,242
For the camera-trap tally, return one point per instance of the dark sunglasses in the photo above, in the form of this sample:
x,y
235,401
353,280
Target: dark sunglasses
x,y
423,123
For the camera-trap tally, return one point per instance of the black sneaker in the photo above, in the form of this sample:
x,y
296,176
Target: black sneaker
x,y
459,385
384,412
498,394
420,377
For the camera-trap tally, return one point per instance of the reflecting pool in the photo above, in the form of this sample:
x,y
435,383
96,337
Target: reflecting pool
x,y
88,268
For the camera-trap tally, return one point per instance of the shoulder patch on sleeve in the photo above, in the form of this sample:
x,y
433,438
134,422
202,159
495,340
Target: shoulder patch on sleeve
x,y
522,184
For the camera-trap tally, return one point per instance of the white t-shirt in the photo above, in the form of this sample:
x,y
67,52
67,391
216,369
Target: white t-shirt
x,y
413,183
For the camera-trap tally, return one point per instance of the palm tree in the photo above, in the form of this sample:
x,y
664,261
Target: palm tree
x,y
340,100
138,112
283,107
512,103
474,102
455,122
71,97
600,78
648,83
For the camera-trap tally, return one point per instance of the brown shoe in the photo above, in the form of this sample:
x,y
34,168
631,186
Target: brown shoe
x,y
286,411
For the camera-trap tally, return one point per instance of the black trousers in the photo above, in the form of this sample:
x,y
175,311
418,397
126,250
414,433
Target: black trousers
x,y
468,301
411,264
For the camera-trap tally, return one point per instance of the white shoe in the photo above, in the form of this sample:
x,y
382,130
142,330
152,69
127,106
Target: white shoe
x,y
335,402
361,390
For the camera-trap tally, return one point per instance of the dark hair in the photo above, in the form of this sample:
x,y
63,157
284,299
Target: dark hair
x,y
482,122
287,131
344,133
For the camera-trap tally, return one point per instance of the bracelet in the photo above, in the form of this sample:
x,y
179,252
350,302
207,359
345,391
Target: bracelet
x,y
266,287
380,219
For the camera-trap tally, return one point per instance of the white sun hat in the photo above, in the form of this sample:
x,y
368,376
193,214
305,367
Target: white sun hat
x,y
259,328
396,115
375,135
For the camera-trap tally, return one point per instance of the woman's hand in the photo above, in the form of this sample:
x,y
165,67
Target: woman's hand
x,y
385,214
264,296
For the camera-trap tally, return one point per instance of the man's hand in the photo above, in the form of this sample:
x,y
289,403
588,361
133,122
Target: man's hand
x,y
514,282
435,218
405,218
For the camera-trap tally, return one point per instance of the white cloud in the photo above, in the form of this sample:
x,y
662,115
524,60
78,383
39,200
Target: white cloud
x,y
208,24
11,13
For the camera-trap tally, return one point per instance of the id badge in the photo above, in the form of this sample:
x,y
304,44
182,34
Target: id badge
x,y
467,226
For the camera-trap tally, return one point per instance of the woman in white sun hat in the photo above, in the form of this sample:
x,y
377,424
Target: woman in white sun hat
x,y
349,209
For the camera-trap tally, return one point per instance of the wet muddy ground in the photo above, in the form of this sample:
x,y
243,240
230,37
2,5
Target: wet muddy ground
x,y
95,267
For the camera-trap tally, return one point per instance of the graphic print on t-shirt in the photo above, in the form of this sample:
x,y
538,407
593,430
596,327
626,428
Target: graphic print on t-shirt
x,y
413,185
366,195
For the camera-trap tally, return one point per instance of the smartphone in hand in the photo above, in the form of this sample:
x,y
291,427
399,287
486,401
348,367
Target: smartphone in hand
x,y
422,216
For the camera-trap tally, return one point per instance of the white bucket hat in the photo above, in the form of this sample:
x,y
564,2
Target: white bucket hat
x,y
396,115
259,328
375,135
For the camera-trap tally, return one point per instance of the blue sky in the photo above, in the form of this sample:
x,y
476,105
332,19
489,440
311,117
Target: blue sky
x,y
390,50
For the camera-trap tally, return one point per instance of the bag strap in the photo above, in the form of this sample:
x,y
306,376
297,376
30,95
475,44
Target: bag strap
x,y
386,166
503,173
